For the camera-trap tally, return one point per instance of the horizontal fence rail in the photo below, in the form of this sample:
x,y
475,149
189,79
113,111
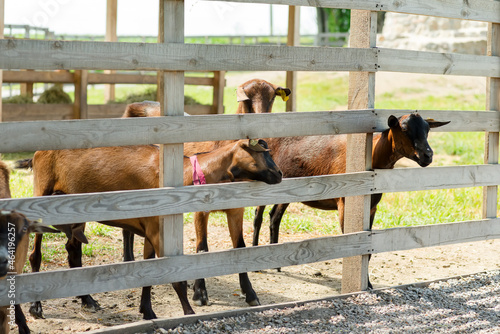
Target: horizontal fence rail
x,y
94,78
45,135
54,55
67,283
478,10
107,206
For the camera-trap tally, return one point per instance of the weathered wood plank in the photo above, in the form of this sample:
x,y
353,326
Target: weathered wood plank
x,y
65,209
392,60
404,238
66,283
36,112
293,39
156,202
171,97
51,55
361,95
478,10
33,136
111,36
120,78
94,78
412,179
491,150
80,109
46,55
37,76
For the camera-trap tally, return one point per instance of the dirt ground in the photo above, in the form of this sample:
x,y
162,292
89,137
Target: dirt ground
x,y
303,282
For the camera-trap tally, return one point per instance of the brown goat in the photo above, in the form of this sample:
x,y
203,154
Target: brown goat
x,y
136,167
14,241
406,137
254,96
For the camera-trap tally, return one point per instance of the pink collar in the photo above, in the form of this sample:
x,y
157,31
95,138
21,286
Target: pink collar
x,y
198,176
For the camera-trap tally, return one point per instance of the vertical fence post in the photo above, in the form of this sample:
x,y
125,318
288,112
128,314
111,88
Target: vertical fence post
x,y
171,97
293,39
359,149
80,108
492,138
111,18
218,97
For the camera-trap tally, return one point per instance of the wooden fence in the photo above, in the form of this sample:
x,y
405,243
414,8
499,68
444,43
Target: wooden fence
x,y
80,109
171,57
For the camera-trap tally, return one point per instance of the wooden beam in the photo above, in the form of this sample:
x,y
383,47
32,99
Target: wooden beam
x,y
37,76
171,97
477,10
53,55
104,206
32,136
111,36
293,39
66,283
94,78
359,149
219,82
491,152
80,103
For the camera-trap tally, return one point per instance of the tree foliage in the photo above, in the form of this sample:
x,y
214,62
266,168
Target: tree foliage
x,y
333,20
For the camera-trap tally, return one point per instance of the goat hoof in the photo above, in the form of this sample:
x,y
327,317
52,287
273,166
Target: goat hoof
x,y
200,298
278,270
148,315
36,310
90,304
255,302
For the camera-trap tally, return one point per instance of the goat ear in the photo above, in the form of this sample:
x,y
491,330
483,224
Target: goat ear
x,y
256,146
283,92
392,121
435,124
38,227
241,95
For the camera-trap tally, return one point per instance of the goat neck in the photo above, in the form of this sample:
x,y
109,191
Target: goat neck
x,y
384,155
214,165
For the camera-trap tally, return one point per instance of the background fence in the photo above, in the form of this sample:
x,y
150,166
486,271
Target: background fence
x,y
172,58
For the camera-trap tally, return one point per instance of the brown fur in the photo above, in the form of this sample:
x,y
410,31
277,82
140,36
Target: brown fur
x,y
254,96
136,167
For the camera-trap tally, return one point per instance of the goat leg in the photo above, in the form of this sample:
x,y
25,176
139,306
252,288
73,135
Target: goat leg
x,y
275,217
21,320
128,245
257,223
74,249
35,261
146,308
181,290
200,296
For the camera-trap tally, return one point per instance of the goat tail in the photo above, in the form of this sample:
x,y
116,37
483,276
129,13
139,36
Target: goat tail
x,y
24,164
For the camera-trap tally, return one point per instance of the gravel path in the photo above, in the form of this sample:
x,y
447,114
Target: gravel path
x,y
461,305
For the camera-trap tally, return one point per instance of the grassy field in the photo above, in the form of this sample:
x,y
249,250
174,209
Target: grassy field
x,y
395,209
